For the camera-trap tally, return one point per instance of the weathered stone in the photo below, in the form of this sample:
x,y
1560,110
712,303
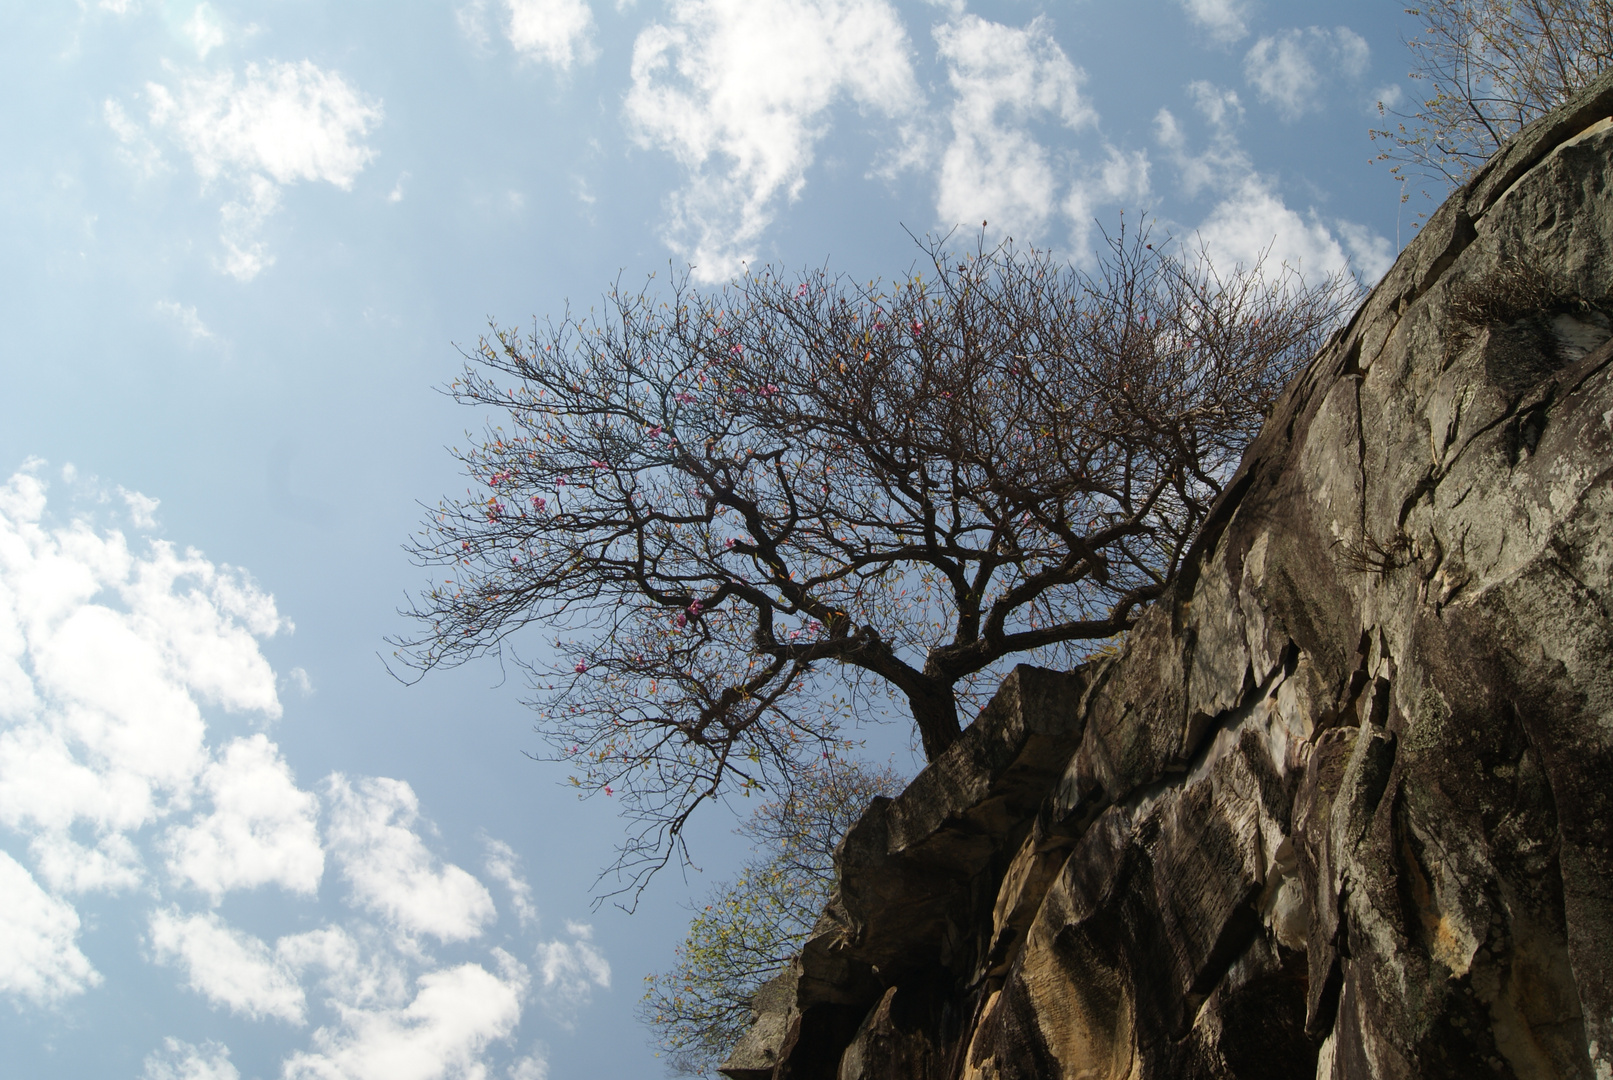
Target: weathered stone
x,y
1343,805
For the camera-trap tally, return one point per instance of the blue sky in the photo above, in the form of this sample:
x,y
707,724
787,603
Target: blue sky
x,y
242,242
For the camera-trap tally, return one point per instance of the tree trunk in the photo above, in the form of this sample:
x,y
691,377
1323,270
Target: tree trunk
x,y
935,712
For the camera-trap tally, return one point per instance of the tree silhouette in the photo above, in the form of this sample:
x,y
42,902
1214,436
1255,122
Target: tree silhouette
x,y
719,501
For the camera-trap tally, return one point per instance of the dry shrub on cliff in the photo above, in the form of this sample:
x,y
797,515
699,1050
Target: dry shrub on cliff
x,y
1492,66
718,501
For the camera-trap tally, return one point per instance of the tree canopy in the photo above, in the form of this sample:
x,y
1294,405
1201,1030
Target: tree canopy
x,y
716,503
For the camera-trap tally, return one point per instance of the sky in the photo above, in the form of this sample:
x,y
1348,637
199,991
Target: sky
x,y
244,244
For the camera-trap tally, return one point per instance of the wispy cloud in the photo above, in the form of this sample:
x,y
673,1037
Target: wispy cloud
x,y
1249,222
503,866
256,133
1225,20
1290,69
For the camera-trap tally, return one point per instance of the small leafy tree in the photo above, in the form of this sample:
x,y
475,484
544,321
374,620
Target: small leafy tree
x,y
750,928
1492,66
719,500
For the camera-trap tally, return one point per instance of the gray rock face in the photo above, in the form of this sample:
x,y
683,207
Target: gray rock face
x,y
1343,806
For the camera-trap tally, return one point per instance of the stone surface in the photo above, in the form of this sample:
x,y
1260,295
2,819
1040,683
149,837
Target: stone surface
x,y
1343,805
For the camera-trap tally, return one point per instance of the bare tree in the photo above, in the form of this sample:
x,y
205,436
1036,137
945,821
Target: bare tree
x,y
719,500
1492,66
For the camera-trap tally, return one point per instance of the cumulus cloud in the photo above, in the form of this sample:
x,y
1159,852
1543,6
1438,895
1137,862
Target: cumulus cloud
x,y
274,125
39,955
1249,221
111,652
390,869
261,831
111,865
739,92
455,1014
557,32
503,866
1005,80
184,1061
106,657
227,966
1288,70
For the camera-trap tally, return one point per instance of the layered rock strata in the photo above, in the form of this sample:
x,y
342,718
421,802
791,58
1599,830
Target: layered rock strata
x,y
1343,805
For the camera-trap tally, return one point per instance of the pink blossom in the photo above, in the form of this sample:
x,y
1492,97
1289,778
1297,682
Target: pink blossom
x,y
581,668
683,397
608,790
539,502
918,327
736,348
654,432
802,291
695,609
596,463
680,620
727,543
815,626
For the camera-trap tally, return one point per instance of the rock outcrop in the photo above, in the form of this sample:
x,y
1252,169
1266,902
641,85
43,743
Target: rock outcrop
x,y
1342,807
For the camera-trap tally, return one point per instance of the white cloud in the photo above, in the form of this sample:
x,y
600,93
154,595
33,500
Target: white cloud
x,y
503,865
186,317
298,677
1288,69
183,1061
1371,255
359,972
456,1013
533,1066
205,30
1249,222
556,32
106,656
391,871
1226,20
112,865
261,831
227,966
1122,178
135,147
39,956
142,508
276,125
739,92
288,122
570,970
1005,78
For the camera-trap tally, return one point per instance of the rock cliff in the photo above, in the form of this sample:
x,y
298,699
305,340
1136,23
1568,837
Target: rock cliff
x,y
1343,805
